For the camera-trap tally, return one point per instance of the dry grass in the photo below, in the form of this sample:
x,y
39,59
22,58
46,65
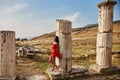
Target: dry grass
x,y
37,65
40,63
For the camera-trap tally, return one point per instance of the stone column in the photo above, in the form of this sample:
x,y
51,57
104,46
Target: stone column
x,y
104,36
65,44
7,55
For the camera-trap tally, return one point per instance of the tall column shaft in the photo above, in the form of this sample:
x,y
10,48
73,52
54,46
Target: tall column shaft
x,y
65,44
104,47
104,36
7,55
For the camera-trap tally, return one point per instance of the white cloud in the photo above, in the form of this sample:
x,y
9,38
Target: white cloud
x,y
13,9
73,17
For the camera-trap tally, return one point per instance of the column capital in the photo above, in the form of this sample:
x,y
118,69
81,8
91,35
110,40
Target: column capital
x,y
63,26
7,31
105,3
60,20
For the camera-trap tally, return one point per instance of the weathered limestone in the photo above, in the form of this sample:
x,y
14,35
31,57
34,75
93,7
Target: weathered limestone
x,y
65,44
7,55
105,19
103,59
36,77
77,71
104,40
104,37
104,45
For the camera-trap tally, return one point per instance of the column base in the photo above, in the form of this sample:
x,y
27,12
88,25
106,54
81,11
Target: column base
x,y
77,71
102,69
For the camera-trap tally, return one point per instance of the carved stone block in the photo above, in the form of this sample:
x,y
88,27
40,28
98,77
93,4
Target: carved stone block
x,y
104,40
104,56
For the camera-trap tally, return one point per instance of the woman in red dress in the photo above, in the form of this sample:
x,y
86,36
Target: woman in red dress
x,y
54,52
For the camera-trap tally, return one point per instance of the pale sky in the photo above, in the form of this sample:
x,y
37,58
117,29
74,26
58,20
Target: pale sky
x,y
31,18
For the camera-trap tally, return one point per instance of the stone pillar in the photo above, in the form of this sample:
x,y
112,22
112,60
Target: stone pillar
x,y
104,36
7,55
67,71
104,47
65,44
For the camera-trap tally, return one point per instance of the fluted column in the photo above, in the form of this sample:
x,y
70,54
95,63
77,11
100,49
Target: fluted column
x,y
65,44
7,55
104,36
104,45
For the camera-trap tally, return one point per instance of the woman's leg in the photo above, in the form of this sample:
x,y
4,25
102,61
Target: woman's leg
x,y
53,63
57,64
54,66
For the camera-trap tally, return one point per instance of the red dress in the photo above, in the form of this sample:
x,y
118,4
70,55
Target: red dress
x,y
54,52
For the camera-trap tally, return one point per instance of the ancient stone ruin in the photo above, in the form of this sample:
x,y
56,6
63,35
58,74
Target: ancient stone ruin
x,y
7,55
104,37
65,44
103,48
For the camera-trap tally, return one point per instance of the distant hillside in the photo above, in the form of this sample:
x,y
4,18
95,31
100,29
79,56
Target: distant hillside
x,y
83,32
47,35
